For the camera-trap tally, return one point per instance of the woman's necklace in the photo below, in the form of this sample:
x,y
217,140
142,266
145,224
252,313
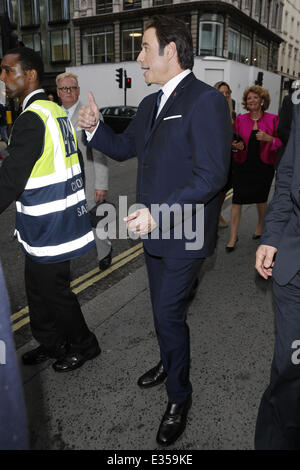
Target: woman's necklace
x,y
256,119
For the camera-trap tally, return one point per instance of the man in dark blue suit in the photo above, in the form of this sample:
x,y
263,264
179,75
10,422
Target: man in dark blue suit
x,y
278,422
182,137
13,423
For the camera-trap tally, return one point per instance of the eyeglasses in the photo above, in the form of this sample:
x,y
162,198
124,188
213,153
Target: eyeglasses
x,y
68,89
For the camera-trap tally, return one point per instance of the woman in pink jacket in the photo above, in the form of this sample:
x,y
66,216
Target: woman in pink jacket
x,y
254,154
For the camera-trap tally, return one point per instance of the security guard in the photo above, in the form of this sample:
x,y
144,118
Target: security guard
x,y
42,174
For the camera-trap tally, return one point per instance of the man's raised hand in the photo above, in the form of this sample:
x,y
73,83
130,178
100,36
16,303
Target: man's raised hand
x,y
89,116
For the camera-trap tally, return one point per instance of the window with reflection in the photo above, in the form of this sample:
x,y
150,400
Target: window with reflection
x,y
58,10
131,40
245,54
29,12
130,4
103,6
32,40
60,45
211,30
98,45
234,39
261,56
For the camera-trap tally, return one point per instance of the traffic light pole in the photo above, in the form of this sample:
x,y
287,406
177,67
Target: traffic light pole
x,y
125,87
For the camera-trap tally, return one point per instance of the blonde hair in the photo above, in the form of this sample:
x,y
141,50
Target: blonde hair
x,y
61,76
261,92
218,85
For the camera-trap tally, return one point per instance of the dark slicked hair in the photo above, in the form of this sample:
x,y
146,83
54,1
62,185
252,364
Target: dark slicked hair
x,y
171,29
29,60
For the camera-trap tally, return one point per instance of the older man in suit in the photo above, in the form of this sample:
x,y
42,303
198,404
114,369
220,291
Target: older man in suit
x,y
95,163
182,137
278,422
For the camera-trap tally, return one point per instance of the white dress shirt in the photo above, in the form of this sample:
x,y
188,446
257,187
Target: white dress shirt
x,y
40,90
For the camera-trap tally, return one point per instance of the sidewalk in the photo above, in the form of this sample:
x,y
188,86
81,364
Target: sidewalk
x,y
99,406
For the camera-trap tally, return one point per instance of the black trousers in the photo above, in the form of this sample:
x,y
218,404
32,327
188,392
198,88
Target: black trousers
x,y
278,421
170,282
55,314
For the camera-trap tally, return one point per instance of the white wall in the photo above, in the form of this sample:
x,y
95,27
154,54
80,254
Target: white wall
x,y
101,80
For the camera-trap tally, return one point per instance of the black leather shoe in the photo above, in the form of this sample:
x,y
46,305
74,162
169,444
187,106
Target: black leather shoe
x,y
173,422
74,360
35,356
106,261
153,377
193,290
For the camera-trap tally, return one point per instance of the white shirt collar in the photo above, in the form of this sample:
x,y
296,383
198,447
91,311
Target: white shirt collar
x,y
170,86
40,90
70,111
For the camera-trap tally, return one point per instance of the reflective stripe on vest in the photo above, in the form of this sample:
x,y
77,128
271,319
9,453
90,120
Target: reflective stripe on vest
x,y
52,222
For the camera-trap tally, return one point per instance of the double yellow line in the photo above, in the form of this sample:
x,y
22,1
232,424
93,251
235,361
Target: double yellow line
x,y
21,317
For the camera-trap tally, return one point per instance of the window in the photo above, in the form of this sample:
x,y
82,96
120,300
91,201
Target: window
x,y
60,45
6,7
103,6
156,3
261,56
58,10
131,40
233,44
275,15
98,45
245,50
29,12
32,40
258,8
267,10
129,4
211,35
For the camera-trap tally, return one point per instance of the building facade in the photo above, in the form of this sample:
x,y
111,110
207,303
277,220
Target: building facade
x,y
289,51
45,26
247,31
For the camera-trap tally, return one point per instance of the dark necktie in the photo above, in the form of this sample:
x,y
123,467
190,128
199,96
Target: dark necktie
x,y
158,99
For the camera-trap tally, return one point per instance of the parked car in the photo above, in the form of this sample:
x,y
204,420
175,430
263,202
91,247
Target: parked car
x,y
118,117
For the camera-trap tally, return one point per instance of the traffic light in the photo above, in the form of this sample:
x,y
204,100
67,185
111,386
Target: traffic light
x,y
119,77
127,82
259,80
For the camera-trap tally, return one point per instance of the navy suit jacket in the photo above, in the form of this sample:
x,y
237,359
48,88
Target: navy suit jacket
x,y
13,423
182,159
282,221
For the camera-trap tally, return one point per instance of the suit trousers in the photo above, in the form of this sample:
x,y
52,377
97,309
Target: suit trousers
x,y
55,314
170,282
278,421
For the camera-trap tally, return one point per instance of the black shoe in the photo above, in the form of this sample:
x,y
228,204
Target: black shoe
x,y
35,356
255,237
173,422
74,360
153,377
193,290
106,261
